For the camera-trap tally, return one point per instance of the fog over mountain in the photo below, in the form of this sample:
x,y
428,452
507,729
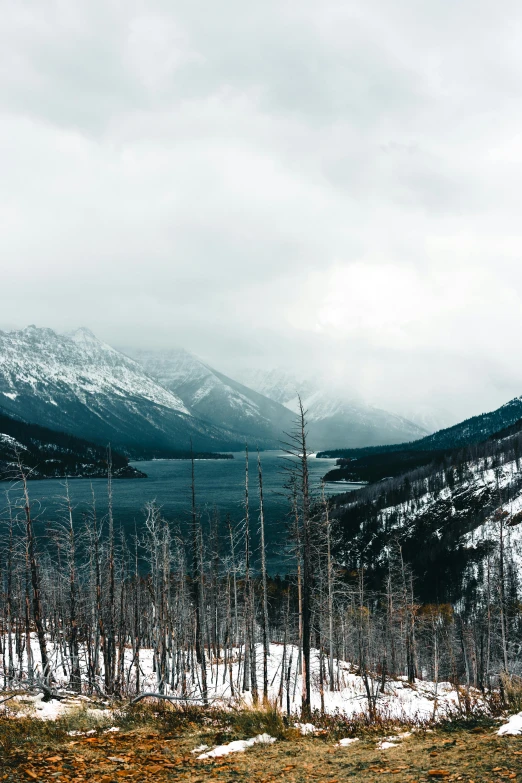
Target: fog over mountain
x,y
328,187
265,406
158,402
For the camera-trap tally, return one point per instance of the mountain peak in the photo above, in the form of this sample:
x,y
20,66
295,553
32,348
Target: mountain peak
x,y
35,331
79,384
83,335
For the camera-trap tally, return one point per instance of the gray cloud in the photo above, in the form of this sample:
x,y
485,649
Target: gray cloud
x,y
331,185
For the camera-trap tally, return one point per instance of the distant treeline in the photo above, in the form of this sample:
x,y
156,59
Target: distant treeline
x,y
387,464
187,454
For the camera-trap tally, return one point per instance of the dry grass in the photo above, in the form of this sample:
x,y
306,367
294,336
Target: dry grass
x,y
512,688
155,744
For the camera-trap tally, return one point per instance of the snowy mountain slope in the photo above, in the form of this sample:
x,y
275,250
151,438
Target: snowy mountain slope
x,y
217,398
334,420
78,384
444,516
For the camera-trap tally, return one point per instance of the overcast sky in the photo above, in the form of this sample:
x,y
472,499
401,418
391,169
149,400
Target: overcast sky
x,y
319,182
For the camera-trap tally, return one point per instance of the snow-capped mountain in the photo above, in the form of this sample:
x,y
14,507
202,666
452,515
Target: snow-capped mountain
x,y
79,384
334,420
158,401
217,398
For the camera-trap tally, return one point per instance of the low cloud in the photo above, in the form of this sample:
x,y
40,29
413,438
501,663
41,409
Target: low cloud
x,y
329,186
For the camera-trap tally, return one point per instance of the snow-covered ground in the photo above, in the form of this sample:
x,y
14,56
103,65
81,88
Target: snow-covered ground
x,y
419,702
513,726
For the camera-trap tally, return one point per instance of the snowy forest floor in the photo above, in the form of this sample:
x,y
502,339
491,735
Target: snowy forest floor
x,y
157,743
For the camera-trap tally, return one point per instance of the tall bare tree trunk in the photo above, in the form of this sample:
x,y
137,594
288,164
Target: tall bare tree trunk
x,y
330,586
111,630
9,607
249,672
502,593
137,635
307,564
264,581
35,581
197,582
76,677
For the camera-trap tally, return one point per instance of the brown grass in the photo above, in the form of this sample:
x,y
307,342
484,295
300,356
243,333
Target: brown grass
x,y
155,743
512,689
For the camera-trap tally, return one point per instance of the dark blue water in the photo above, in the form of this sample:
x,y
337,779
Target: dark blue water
x,y
220,486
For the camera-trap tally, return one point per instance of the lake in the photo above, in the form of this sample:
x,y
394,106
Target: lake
x,y
220,485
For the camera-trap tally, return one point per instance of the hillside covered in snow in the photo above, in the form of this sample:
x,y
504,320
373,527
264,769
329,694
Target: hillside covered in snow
x,y
445,518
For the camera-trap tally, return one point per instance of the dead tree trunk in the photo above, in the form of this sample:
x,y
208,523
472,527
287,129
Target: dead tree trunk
x,y
197,583
307,563
76,677
263,581
35,581
110,663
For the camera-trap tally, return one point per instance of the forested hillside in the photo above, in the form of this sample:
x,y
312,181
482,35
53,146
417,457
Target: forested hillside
x,y
45,453
473,430
444,520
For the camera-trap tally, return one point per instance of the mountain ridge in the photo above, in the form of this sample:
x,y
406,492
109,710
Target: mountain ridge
x,y
81,385
472,430
215,397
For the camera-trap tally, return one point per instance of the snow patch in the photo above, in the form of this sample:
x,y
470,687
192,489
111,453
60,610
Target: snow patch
x,y
238,746
12,442
81,733
306,728
52,367
513,726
